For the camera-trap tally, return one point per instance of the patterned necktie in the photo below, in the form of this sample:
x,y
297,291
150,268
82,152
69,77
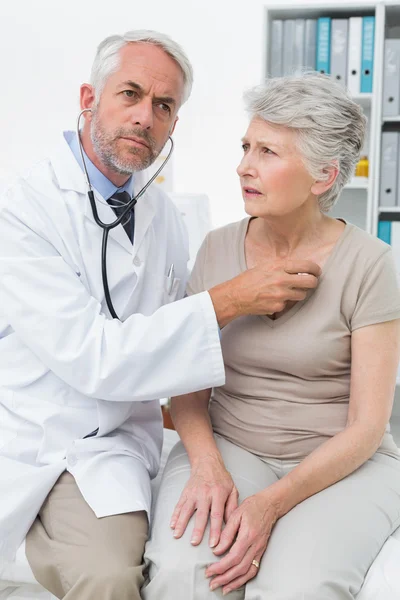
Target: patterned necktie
x,y
118,203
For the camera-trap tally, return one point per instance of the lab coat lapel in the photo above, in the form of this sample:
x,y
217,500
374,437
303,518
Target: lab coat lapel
x,y
107,215
70,177
144,210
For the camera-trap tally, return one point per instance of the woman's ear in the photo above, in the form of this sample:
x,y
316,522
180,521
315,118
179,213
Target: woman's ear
x,y
330,172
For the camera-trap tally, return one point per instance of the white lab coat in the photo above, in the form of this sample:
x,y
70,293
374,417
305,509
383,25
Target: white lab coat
x,y
66,367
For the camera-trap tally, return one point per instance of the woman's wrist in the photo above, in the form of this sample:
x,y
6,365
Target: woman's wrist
x,y
211,456
277,495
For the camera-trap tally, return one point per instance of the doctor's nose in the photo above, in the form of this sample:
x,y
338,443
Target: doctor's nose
x,y
142,114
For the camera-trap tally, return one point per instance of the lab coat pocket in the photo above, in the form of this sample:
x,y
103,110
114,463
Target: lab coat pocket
x,y
171,289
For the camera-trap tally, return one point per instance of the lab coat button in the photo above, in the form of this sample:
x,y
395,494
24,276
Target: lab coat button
x,y
137,262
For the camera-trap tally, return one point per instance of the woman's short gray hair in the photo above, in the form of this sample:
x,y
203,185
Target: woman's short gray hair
x,y
330,126
107,57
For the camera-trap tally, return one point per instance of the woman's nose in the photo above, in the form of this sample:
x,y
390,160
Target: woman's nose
x,y
245,167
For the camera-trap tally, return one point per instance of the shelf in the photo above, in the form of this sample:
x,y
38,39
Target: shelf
x,y
389,209
357,183
391,119
363,99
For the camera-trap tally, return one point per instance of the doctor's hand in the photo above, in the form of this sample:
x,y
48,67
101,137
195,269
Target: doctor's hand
x,y
246,537
264,290
211,493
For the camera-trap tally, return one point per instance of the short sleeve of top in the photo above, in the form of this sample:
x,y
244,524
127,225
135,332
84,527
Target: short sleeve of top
x,y
379,296
196,281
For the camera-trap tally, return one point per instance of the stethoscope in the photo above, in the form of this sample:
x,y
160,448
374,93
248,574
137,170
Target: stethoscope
x,y
107,226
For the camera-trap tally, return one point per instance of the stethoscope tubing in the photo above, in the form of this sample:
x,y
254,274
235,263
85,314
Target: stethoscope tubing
x,y
106,227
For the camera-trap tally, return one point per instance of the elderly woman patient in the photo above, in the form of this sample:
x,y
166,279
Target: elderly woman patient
x,y
287,481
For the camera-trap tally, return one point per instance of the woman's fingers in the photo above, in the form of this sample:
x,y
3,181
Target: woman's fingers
x,y
231,504
176,513
241,580
200,523
229,533
243,569
185,513
216,519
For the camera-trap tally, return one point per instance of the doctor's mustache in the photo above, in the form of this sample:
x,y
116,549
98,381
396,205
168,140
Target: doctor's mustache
x,y
139,133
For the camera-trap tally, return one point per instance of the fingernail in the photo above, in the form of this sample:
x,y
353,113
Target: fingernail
x,y
172,525
176,534
225,592
213,543
194,541
214,586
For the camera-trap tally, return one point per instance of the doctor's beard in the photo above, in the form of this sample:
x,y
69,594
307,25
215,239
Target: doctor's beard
x,y
105,145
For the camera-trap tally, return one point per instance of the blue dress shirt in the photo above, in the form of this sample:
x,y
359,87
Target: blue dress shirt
x,y
104,186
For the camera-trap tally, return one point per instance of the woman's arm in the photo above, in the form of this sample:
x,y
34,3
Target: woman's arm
x,y
375,356
189,414
210,491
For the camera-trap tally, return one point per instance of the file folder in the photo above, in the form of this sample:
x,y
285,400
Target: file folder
x,y
385,231
299,36
389,168
289,27
354,54
310,50
367,54
339,37
276,48
324,45
391,79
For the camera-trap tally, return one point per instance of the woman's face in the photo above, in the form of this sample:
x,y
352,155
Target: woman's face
x,y
273,178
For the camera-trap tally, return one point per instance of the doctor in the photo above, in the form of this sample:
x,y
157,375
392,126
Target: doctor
x,y
80,421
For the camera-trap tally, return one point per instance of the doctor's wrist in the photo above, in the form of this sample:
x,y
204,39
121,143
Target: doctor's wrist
x,y
226,305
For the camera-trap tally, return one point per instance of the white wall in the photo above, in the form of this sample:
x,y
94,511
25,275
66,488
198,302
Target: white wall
x,y
46,50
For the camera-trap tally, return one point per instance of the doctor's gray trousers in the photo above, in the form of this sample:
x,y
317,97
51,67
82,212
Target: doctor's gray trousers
x,y
320,550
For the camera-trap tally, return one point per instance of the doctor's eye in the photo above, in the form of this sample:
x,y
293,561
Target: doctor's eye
x,y
164,107
130,93
245,147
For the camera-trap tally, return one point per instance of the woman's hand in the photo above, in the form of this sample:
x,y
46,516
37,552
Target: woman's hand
x,y
246,534
210,491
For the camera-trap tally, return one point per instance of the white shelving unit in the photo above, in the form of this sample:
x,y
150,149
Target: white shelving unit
x,y
359,202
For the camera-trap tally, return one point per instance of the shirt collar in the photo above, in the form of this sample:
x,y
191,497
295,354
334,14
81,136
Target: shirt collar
x,y
98,180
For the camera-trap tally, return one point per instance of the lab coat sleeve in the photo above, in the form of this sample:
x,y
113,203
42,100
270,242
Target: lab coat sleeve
x,y
174,351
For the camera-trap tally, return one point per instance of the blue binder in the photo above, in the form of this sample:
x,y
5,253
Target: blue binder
x,y
367,54
324,45
385,231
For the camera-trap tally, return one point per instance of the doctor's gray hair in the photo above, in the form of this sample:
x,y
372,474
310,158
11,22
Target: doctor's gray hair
x,y
107,59
329,125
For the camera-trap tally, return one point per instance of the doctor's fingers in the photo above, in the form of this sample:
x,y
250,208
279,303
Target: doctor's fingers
x,y
302,281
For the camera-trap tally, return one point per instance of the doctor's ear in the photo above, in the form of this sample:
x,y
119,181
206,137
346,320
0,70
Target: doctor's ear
x,y
87,98
171,131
